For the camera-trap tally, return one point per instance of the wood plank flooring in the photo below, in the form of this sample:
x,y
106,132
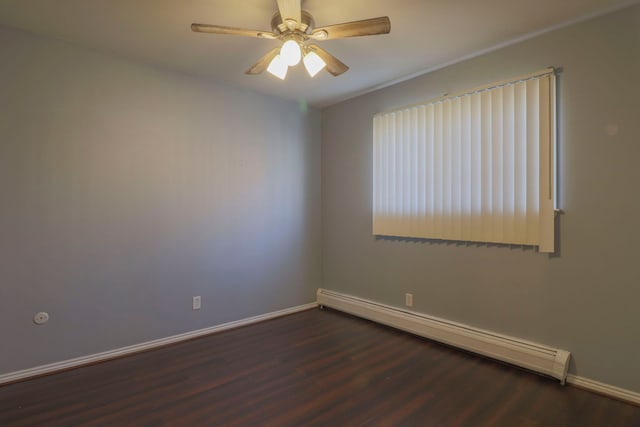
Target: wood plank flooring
x,y
314,368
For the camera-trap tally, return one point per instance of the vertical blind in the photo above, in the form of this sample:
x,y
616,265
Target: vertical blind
x,y
478,166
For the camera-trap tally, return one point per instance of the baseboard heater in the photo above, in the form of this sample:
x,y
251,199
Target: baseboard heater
x,y
532,356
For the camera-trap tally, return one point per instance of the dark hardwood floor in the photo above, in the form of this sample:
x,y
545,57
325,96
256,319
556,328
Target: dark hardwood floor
x,y
320,368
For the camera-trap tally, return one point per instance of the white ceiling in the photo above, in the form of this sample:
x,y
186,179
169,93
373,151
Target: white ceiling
x,y
425,34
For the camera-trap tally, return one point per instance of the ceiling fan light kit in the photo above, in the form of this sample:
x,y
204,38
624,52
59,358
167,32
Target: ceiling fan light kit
x,y
295,28
290,56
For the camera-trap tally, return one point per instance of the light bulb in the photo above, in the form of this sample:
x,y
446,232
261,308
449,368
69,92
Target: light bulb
x,y
290,53
313,63
278,67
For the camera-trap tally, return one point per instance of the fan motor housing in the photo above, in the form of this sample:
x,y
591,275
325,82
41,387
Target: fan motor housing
x,y
280,27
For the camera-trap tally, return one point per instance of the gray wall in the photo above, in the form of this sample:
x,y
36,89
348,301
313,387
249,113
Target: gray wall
x,y
585,299
125,190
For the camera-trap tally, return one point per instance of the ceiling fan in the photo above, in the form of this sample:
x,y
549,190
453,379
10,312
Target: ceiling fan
x,y
296,29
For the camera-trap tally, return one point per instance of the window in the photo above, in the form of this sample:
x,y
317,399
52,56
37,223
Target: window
x,y
477,166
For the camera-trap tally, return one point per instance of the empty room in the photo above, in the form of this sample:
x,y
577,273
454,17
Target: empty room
x,y
328,213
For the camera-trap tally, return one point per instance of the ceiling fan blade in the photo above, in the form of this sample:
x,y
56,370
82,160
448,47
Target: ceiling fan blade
x,y
219,29
366,27
290,9
334,65
263,62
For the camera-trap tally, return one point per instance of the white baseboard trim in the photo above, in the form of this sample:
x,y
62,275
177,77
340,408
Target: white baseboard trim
x,y
136,348
604,389
529,355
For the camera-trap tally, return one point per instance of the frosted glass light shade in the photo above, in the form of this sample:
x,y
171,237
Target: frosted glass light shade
x,y
278,67
313,63
290,53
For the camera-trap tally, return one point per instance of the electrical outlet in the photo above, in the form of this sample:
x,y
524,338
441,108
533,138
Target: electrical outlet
x,y
41,318
408,300
197,302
